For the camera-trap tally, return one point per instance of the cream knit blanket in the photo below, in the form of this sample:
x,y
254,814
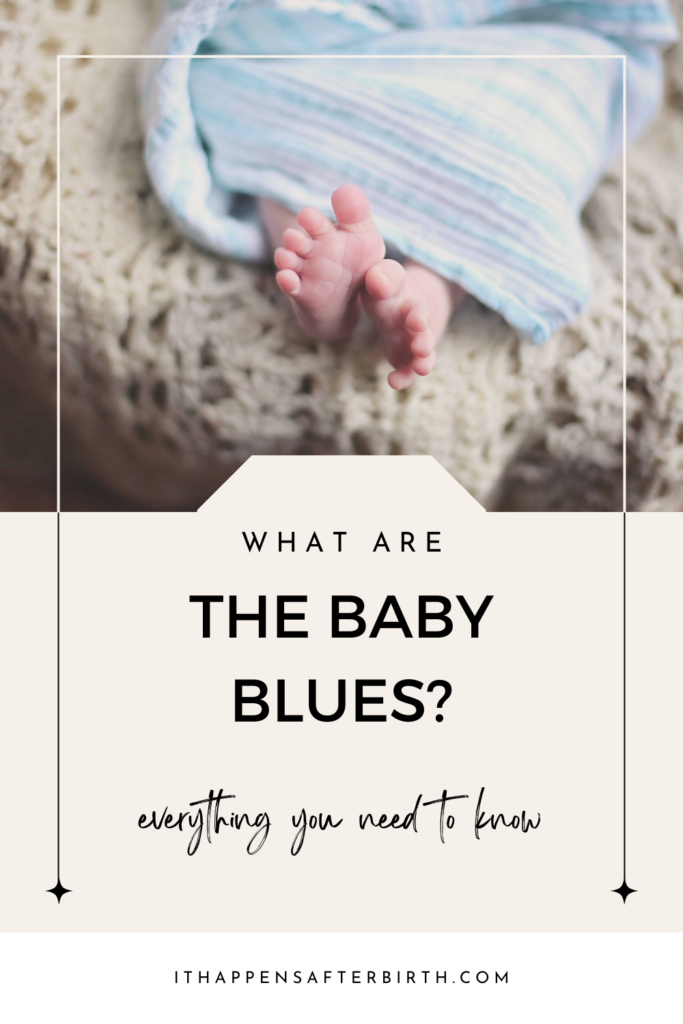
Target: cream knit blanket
x,y
176,364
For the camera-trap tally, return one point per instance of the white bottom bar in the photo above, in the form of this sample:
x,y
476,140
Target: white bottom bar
x,y
529,977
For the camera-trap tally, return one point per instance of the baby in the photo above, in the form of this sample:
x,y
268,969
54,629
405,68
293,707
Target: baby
x,y
474,138
330,270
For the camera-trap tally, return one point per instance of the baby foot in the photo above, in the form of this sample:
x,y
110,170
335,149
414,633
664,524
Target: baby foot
x,y
323,266
404,321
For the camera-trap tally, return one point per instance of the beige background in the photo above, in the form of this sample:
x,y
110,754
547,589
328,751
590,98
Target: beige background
x,y
535,716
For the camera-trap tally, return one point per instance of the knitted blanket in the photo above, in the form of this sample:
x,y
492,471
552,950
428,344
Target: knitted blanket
x,y
176,364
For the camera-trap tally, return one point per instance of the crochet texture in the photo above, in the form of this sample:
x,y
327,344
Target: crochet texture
x,y
177,365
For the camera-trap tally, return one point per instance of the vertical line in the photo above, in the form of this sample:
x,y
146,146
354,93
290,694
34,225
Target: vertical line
x,y
59,285
58,711
624,287
58,454
624,702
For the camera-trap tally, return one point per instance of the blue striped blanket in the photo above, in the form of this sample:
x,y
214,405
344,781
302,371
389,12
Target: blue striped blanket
x,y
477,129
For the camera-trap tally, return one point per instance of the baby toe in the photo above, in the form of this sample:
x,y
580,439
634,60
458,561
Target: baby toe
x,y
297,241
417,320
350,205
385,279
289,282
425,365
423,344
285,259
401,379
314,222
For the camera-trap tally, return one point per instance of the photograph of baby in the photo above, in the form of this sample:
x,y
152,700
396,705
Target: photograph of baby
x,y
341,228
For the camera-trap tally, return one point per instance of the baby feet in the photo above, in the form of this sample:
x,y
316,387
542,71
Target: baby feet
x,y
322,267
327,269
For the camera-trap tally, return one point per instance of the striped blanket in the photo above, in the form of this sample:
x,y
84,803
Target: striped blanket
x,y
477,129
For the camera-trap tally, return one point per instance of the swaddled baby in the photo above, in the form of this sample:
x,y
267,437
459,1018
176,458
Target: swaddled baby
x,y
460,139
